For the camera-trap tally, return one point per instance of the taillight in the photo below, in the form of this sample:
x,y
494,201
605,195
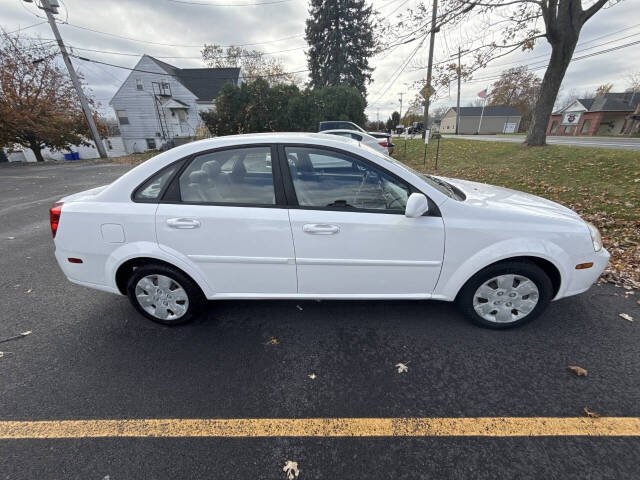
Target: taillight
x,y
54,217
383,143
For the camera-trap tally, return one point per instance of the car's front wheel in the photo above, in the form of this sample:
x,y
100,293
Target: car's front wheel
x,y
164,294
506,295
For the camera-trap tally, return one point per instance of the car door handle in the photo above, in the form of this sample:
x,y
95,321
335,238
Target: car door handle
x,y
183,223
320,229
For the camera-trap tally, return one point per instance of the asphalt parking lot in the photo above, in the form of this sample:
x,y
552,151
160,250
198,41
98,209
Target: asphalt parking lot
x,y
91,357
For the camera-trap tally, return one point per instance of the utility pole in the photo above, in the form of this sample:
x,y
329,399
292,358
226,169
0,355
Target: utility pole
x,y
401,94
458,100
50,7
432,39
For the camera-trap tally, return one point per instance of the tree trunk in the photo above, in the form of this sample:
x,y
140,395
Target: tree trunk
x,y
561,53
37,151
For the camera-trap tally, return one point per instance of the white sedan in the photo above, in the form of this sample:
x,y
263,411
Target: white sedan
x,y
312,216
378,144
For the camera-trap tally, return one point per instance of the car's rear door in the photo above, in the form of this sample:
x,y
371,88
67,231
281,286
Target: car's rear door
x,y
226,213
350,234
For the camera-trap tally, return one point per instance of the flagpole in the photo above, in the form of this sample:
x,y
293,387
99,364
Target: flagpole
x,y
482,112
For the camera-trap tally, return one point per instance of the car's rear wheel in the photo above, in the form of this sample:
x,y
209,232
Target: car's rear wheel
x,y
164,294
506,295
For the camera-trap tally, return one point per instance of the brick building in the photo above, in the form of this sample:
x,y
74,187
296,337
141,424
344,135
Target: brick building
x,y
608,114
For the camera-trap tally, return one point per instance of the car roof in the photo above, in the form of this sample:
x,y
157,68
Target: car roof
x,y
346,130
120,190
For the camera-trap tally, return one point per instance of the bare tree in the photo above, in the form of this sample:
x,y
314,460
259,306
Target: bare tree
x,y
634,82
503,27
254,63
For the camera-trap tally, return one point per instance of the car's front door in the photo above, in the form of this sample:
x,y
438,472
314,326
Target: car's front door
x,y
226,213
350,234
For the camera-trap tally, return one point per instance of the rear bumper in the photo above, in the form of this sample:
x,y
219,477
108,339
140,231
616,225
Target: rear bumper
x,y
580,281
79,273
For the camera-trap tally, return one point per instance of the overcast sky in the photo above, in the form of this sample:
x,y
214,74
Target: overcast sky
x,y
177,28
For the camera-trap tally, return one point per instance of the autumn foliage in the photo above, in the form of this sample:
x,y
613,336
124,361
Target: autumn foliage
x,y
38,104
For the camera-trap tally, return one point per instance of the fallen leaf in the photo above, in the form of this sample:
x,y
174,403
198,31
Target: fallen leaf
x,y
299,307
402,368
15,337
29,291
579,371
11,238
591,414
312,376
626,316
291,469
272,341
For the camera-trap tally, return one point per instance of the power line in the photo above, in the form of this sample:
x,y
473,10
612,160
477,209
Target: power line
x,y
206,4
128,54
24,28
402,66
175,44
589,55
191,75
535,65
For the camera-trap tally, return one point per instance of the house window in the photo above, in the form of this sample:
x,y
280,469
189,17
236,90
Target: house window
x,y
554,126
151,143
123,119
139,84
585,126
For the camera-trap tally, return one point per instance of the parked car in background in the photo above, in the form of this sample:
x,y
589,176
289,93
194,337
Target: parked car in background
x,y
307,216
344,125
416,128
379,144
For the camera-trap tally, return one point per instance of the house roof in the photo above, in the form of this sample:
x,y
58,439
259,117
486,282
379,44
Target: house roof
x,y
204,83
609,102
489,111
614,102
586,102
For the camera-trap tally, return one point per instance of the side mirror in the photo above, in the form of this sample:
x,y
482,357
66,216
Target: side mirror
x,y
417,205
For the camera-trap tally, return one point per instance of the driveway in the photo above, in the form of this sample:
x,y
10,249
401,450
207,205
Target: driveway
x,y
102,376
599,142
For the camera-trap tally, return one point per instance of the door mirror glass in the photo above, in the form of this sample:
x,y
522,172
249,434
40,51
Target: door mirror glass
x,y
417,205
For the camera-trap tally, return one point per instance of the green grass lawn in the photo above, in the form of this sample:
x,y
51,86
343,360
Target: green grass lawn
x,y
602,185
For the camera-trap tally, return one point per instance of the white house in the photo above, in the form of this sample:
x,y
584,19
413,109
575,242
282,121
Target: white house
x,y
159,102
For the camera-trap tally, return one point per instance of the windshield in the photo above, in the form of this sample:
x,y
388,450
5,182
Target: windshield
x,y
437,183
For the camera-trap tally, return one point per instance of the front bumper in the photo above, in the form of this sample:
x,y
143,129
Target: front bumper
x,y
579,281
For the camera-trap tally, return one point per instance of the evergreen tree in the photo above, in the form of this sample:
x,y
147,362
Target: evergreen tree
x,y
340,38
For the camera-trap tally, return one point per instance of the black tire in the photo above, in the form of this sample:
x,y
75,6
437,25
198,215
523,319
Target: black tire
x,y
195,297
526,269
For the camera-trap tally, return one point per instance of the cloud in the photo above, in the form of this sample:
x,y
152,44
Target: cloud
x,y
168,22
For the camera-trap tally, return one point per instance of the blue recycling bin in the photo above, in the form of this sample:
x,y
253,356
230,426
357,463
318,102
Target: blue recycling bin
x,y
72,156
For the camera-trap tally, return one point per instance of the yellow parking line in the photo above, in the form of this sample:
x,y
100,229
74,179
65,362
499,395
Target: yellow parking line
x,y
325,427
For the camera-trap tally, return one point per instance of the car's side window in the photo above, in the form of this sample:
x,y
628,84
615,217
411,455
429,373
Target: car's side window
x,y
235,176
150,190
329,179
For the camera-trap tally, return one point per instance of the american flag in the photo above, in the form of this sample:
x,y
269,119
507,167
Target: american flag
x,y
483,93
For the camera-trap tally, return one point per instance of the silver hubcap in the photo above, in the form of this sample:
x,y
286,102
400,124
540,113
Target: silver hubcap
x,y
162,297
506,298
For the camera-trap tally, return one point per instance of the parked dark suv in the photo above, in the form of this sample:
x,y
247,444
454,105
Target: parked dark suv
x,y
344,125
